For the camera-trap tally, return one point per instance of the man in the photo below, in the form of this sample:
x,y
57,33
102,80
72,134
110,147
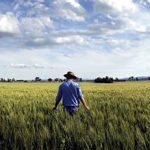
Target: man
x,y
71,94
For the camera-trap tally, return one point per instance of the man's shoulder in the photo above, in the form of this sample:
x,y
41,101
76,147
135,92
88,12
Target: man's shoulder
x,y
63,84
69,82
75,84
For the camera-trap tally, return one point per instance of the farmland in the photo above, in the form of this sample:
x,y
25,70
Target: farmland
x,y
119,117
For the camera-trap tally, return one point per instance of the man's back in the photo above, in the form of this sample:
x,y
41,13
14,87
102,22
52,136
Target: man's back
x,y
70,92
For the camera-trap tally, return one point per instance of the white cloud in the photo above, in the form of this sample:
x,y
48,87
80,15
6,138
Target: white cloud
x,y
74,3
56,40
23,66
36,25
66,9
115,6
20,66
9,24
122,5
69,9
70,39
123,15
70,15
37,66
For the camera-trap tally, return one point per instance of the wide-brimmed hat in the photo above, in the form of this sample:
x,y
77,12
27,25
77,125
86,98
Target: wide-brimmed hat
x,y
70,74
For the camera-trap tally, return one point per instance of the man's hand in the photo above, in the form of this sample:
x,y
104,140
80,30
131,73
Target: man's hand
x,y
87,108
56,104
84,104
55,108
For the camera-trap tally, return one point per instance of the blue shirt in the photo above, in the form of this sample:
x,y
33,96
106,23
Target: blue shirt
x,y
70,92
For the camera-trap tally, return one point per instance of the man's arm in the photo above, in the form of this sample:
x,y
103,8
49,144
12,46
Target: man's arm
x,y
56,104
84,103
80,95
58,98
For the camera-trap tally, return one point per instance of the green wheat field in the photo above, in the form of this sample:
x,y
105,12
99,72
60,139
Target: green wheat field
x,y
119,118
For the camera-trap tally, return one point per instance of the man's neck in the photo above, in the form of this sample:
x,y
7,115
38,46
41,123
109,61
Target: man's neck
x,y
69,79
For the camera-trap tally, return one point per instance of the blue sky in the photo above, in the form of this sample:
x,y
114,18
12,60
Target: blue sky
x,y
47,38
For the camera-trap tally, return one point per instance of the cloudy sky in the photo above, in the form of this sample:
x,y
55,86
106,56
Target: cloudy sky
x,y
47,38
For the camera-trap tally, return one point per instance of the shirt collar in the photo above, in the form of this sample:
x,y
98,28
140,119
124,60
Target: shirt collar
x,y
69,80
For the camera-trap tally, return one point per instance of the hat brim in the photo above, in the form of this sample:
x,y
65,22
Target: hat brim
x,y
66,75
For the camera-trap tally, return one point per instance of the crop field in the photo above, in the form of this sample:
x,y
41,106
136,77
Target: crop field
x,y
119,117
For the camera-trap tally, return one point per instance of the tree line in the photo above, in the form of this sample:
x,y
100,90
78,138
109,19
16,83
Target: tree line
x,y
36,79
96,80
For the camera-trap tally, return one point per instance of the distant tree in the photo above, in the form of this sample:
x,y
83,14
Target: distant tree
x,y
56,79
79,79
13,80
137,79
37,79
148,78
2,80
19,80
8,80
104,80
50,80
98,80
60,80
116,79
131,78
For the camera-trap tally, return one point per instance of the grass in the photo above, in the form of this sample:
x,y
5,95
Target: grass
x,y
119,117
